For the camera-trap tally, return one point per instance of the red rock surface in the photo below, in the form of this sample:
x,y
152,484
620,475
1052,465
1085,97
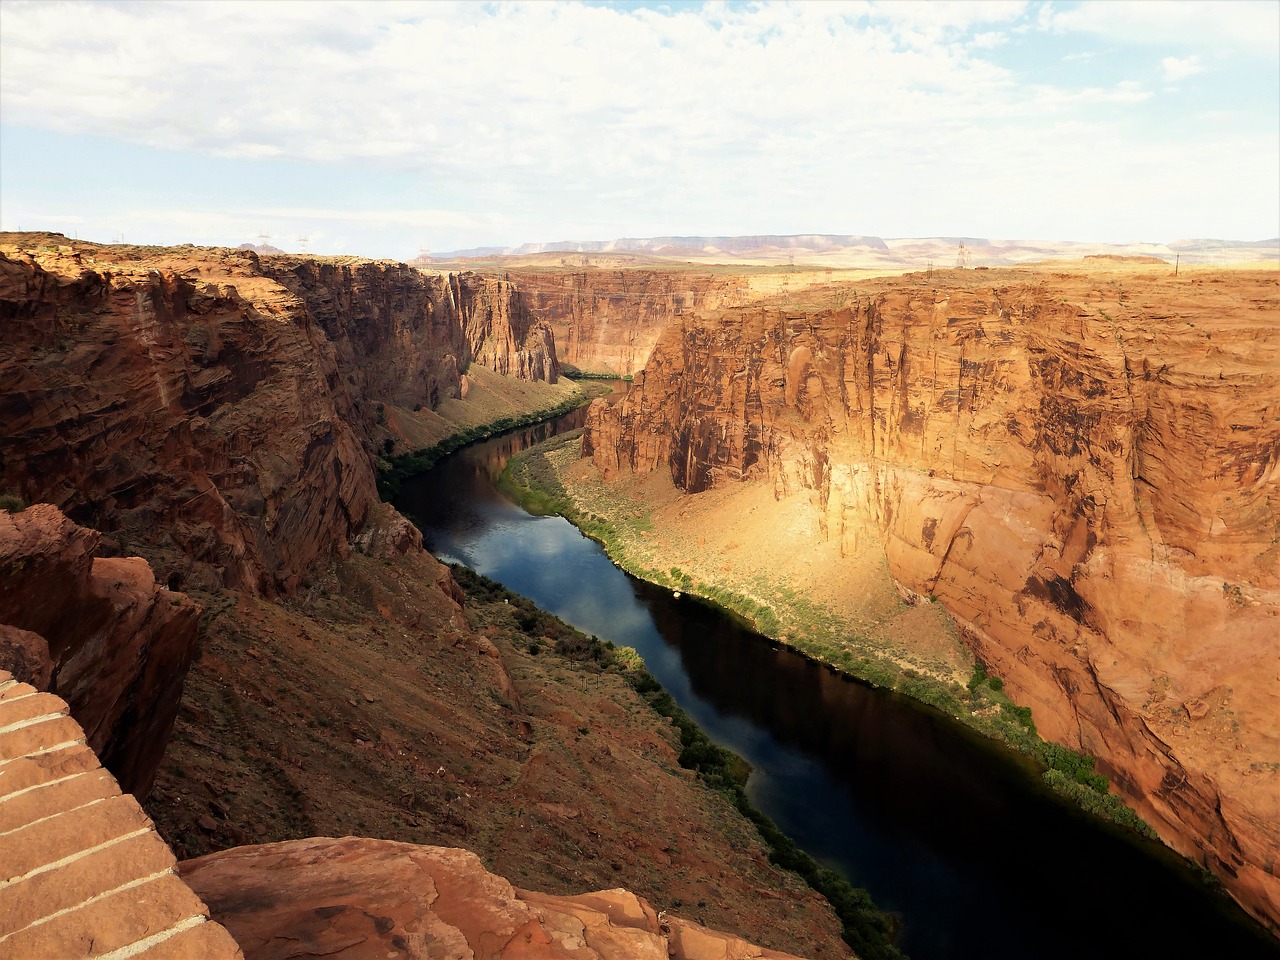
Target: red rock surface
x,y
82,872
354,898
118,645
607,321
1082,466
221,410
219,414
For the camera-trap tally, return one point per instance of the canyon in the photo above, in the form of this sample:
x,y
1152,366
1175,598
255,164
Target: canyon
x,y
1066,472
198,430
1077,461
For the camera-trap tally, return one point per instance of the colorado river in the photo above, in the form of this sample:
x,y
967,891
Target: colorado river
x,y
961,841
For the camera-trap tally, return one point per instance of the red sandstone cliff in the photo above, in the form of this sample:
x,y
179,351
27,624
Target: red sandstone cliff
x,y
607,321
99,633
219,410
1085,470
218,414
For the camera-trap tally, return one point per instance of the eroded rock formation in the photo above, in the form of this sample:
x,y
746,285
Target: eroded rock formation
x,y
373,898
220,409
97,631
1085,469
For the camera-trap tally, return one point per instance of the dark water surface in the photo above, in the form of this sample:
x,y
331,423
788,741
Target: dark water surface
x,y
960,840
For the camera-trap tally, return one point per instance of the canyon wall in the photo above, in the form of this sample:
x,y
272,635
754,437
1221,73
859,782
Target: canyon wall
x,y
1085,469
218,413
607,321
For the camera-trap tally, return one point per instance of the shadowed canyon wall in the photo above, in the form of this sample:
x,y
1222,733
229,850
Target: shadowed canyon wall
x,y
220,409
1085,471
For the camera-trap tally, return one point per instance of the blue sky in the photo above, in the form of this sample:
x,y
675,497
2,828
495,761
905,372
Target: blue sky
x,y
382,128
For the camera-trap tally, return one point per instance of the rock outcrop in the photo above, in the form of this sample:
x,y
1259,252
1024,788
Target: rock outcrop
x,y
1085,469
356,898
100,633
219,412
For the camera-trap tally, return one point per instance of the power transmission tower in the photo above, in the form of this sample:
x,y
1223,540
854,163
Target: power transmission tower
x,y
263,238
302,242
962,257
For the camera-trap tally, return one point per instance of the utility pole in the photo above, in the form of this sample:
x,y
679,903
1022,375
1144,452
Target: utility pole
x,y
1177,258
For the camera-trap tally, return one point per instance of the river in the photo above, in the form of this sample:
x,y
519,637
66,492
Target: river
x,y
958,839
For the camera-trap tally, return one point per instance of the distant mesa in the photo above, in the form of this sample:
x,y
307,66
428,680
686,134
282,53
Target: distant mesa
x,y
853,250
260,248
684,246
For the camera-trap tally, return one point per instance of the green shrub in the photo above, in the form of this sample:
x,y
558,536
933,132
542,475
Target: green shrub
x,y
12,503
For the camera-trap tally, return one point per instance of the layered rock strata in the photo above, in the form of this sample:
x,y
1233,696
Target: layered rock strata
x,y
222,411
219,414
357,898
607,321
100,633
82,871
1085,469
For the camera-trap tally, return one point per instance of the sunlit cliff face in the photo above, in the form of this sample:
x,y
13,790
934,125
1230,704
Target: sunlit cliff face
x,y
1082,468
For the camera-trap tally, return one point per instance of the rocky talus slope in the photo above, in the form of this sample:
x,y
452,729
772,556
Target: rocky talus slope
x,y
85,875
1083,465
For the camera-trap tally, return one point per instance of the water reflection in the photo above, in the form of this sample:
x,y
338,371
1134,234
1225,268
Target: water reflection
x,y
962,842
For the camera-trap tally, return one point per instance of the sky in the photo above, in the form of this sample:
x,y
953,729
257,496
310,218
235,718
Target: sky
x,y
384,129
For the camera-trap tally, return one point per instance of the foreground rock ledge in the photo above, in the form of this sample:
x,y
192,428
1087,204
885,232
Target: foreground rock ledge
x,y
357,898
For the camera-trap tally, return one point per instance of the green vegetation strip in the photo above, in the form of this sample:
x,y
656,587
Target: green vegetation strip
x,y
398,469
866,928
531,479
573,373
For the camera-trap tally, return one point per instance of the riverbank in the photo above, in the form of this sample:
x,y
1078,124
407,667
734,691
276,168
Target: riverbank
x,y
472,419
865,927
486,396
653,532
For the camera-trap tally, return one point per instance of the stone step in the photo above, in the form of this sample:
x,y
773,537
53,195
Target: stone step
x,y
83,874
53,797
25,773
109,921
61,836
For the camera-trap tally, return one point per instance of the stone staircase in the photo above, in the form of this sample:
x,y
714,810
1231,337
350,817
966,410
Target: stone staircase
x,y
83,872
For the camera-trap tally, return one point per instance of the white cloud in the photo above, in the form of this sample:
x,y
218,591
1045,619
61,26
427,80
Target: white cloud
x,y
1225,26
1179,69
449,89
551,119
